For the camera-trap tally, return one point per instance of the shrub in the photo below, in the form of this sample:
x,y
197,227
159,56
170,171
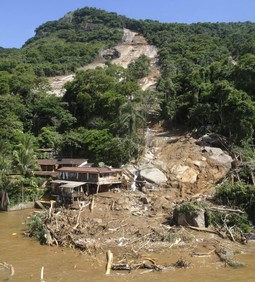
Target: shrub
x,y
239,195
217,218
189,208
36,226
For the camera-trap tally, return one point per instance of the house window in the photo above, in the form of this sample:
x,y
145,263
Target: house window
x,y
82,176
93,177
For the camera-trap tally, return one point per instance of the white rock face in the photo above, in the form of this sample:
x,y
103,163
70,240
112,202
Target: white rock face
x,y
128,36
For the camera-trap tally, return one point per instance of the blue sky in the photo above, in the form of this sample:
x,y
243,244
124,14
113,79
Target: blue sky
x,y
19,18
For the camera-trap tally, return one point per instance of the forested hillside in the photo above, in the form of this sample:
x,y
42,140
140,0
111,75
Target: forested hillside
x,y
206,84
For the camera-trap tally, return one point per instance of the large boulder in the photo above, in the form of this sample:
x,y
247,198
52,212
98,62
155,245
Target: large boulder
x,y
154,175
212,140
185,174
219,156
187,219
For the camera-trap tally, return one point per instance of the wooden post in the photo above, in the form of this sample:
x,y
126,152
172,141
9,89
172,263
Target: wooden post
x,y
109,257
97,188
92,204
42,273
50,209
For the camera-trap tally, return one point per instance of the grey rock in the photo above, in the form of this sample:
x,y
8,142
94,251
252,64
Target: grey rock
x,y
186,219
154,175
218,155
110,54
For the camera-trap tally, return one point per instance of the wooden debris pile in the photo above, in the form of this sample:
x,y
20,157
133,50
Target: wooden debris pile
x,y
147,264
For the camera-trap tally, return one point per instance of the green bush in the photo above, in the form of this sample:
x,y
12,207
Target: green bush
x,y
189,208
36,226
238,195
217,218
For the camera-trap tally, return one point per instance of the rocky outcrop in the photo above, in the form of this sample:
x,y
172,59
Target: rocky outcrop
x,y
132,47
110,54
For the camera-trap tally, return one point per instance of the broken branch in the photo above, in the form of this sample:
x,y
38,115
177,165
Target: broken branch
x,y
109,257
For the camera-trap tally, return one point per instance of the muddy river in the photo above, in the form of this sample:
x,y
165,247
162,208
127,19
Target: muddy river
x,y
28,257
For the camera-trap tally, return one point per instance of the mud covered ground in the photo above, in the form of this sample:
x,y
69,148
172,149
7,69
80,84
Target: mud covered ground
x,y
135,226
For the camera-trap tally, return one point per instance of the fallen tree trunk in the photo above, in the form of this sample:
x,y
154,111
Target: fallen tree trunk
x,y
203,229
202,254
225,210
142,265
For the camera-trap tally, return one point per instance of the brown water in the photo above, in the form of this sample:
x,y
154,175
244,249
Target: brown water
x,y
62,264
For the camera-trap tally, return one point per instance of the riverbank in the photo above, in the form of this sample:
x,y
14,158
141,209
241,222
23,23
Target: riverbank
x,y
135,227
66,264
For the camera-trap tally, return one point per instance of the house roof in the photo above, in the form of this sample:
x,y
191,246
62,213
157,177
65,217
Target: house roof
x,y
45,173
47,161
59,181
75,162
93,170
68,184
72,184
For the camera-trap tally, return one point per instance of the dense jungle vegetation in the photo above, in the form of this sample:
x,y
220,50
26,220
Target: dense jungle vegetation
x,y
207,83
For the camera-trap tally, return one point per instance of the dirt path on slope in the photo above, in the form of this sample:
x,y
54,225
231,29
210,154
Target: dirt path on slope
x,y
131,48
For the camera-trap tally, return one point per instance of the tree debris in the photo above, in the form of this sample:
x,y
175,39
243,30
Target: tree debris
x,y
226,256
143,265
181,263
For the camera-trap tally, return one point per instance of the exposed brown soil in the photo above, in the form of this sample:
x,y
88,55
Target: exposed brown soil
x,y
188,165
140,220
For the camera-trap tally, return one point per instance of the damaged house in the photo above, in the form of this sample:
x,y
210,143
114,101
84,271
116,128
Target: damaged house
x,y
49,166
74,184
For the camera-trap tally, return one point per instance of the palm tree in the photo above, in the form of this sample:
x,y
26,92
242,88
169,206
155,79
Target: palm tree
x,y
25,160
5,168
130,117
